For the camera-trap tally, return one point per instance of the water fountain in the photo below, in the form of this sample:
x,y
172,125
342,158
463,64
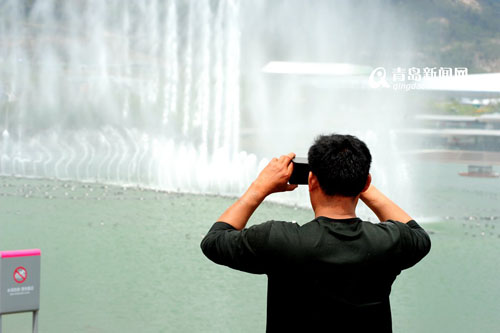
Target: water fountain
x,y
129,92
147,93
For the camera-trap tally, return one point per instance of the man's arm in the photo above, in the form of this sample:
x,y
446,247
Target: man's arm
x,y
383,207
238,249
274,178
228,242
415,242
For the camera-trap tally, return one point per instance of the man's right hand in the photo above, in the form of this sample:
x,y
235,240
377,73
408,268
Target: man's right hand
x,y
274,177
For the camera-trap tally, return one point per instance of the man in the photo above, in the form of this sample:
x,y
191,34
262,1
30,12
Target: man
x,y
333,274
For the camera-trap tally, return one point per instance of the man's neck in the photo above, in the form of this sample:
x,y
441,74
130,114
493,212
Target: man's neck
x,y
336,208
334,214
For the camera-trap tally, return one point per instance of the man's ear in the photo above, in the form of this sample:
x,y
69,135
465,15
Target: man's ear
x,y
312,180
368,182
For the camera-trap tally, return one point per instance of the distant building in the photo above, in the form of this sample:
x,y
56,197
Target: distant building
x,y
471,140
473,133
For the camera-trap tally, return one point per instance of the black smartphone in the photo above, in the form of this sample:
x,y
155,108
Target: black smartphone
x,y
300,173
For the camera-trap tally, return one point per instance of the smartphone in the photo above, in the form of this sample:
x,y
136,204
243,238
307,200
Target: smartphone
x,y
300,173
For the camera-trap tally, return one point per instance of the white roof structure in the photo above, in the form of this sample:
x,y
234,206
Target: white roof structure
x,y
485,118
471,83
452,132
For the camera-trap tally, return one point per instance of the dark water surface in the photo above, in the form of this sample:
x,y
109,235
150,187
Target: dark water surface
x,y
128,260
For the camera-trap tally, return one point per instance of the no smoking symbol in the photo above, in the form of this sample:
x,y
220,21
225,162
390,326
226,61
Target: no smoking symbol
x,y
20,274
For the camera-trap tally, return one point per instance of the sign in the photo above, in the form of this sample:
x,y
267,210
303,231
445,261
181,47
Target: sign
x,y
19,281
20,274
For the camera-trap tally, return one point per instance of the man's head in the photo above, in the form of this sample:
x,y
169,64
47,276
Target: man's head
x,y
341,164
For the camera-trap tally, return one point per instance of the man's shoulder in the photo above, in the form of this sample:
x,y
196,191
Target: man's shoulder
x,y
410,226
391,228
274,226
388,224
277,224
272,233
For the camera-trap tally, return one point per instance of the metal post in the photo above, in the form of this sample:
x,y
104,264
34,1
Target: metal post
x,y
35,321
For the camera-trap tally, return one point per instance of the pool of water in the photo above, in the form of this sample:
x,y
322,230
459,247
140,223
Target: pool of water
x,y
117,259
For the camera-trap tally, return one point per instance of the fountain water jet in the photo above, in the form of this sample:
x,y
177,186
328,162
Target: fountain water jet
x,y
129,92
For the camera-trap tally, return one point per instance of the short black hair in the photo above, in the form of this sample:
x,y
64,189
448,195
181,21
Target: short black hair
x,y
341,163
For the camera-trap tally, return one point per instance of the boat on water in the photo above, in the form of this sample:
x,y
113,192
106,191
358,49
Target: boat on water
x,y
480,171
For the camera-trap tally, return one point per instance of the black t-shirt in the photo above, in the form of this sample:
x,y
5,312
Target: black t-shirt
x,y
328,275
